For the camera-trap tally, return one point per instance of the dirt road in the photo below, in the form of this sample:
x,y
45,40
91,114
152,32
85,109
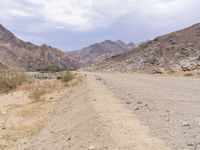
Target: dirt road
x,y
169,106
124,112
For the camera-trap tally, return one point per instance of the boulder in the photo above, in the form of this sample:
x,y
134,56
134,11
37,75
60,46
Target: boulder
x,y
198,58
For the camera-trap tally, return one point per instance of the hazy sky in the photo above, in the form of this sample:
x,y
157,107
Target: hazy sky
x,y
73,24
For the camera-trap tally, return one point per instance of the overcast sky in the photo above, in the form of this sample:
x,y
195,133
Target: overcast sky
x,y
73,24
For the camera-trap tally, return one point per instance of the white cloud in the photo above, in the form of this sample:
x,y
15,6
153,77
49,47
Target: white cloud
x,y
75,13
10,9
90,14
19,13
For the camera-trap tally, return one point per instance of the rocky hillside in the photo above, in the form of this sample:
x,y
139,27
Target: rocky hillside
x,y
100,51
17,53
175,52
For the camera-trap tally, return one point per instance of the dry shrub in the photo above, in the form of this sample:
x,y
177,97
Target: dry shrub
x,y
11,78
49,86
67,76
36,94
41,88
77,79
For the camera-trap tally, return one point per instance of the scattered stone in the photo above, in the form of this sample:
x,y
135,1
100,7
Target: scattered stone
x,y
128,102
69,139
198,58
186,124
98,79
137,108
51,98
139,102
150,109
190,144
159,70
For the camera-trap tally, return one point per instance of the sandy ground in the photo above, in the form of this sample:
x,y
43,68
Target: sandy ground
x,y
22,117
116,111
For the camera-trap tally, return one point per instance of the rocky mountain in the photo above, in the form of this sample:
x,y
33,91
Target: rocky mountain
x,y
176,52
17,53
100,51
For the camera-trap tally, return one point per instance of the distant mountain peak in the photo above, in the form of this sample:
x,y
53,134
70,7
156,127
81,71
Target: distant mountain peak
x,y
99,51
120,42
107,41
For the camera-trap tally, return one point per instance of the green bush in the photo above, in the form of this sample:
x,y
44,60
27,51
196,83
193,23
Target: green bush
x,y
11,78
67,76
51,70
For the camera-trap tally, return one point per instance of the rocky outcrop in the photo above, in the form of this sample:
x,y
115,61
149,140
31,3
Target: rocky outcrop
x,y
178,51
17,53
100,51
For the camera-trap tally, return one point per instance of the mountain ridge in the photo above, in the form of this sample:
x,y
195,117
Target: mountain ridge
x,y
175,52
14,52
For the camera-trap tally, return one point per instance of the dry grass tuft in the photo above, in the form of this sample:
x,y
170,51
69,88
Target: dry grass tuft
x,y
38,89
49,86
10,79
36,94
34,109
15,133
77,79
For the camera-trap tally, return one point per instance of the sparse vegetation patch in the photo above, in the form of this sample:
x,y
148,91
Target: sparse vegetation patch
x,y
67,76
11,78
51,70
36,94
